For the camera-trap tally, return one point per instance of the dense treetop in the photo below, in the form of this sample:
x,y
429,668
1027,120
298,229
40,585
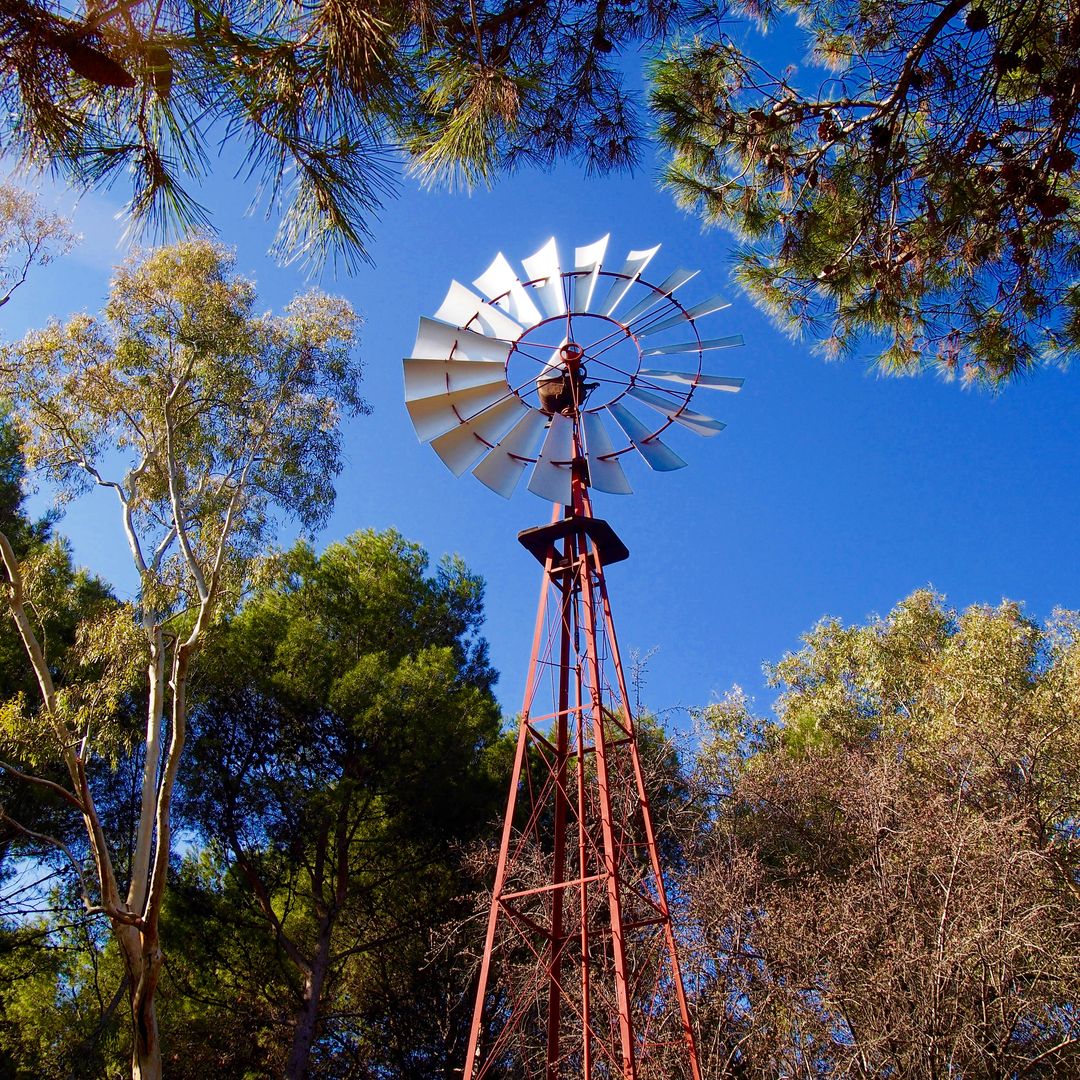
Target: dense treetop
x,y
910,188
887,882
319,97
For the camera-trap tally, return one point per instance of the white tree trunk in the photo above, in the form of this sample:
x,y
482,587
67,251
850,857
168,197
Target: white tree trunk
x,y
142,961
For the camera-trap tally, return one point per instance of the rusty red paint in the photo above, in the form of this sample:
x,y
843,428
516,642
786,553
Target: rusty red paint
x,y
579,894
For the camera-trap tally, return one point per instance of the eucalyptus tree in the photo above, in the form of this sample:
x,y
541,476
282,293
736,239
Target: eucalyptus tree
x,y
206,424
29,236
317,98
911,188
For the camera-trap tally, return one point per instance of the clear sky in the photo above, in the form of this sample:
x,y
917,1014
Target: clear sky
x,y
832,491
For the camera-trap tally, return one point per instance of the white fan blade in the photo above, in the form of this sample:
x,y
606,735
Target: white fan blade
x,y
666,287
695,346
499,280
690,378
463,446
549,480
440,341
436,415
706,307
605,474
587,263
463,306
698,422
502,468
428,378
632,269
544,266
658,455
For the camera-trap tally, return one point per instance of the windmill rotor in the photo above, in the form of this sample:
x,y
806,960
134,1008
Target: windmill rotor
x,y
556,365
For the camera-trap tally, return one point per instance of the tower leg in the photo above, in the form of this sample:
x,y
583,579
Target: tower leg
x,y
558,854
612,855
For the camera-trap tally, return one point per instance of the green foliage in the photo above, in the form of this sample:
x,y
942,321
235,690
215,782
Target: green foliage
x,y
730,736
28,237
923,674
62,603
509,84
345,741
58,998
90,644
219,424
222,990
59,599
921,201
888,883
385,663
21,531
232,415
319,97
12,473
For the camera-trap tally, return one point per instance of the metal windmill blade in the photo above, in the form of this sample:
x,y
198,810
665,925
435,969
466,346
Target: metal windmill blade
x,y
555,366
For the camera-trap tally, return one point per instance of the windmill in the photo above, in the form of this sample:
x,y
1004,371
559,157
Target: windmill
x,y
567,372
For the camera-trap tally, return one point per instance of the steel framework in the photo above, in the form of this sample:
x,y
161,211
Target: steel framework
x,y
580,976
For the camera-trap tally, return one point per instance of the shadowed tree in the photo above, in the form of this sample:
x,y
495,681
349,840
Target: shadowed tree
x,y
343,743
890,885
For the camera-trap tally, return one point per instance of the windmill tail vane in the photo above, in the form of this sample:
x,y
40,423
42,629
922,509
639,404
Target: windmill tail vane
x,y
580,974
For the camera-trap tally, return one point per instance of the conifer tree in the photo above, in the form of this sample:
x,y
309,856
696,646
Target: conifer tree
x,y
319,98
911,189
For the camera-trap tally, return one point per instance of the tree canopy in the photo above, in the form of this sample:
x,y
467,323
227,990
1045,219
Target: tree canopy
x,y
881,881
317,98
29,236
207,424
911,190
888,883
344,738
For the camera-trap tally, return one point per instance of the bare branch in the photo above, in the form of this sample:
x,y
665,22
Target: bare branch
x,y
40,781
59,844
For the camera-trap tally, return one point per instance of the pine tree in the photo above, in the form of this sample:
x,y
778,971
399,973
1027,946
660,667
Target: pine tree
x,y
913,190
319,97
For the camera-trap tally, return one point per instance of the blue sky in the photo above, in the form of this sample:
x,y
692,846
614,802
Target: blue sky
x,y
832,491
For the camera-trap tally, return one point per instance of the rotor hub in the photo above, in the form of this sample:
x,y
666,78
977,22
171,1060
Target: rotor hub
x,y
571,354
562,390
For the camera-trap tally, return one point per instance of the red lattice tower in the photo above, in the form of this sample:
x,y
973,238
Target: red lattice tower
x,y
580,973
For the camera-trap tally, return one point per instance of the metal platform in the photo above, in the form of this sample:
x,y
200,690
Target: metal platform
x,y
540,538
